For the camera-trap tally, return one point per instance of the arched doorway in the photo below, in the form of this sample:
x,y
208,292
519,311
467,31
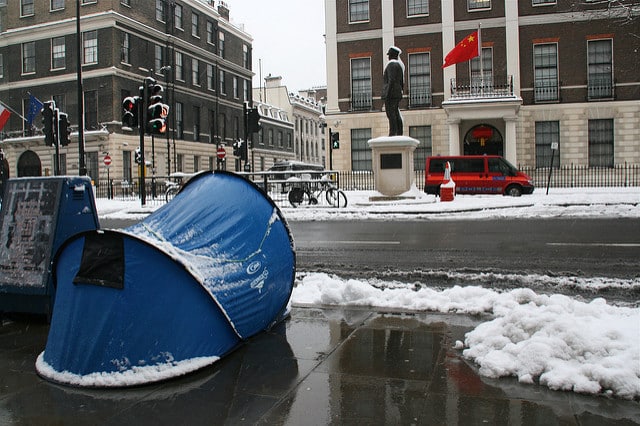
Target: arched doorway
x,y
29,164
483,139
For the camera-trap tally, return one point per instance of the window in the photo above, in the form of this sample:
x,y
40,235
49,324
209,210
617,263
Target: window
x,y
361,84
358,10
196,163
125,51
177,17
417,7
179,120
280,139
222,127
221,45
545,68
91,110
547,138
57,5
360,150
479,4
236,88
247,93
222,83
179,67
90,43
211,83
160,10
180,163
159,58
601,143
29,57
195,25
270,137
212,126
195,72
126,166
600,69
245,57
419,79
541,2
26,8
482,79
57,53
211,33
196,124
60,101
424,149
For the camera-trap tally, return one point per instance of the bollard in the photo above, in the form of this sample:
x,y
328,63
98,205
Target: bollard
x,y
448,187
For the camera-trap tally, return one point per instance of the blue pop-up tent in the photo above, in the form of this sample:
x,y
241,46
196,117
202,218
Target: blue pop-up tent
x,y
173,293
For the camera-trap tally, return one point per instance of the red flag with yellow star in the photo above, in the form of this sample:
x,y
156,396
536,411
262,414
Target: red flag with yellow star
x,y
468,48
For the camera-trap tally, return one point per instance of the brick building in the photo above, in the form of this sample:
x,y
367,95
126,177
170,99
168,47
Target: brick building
x,y
552,74
188,46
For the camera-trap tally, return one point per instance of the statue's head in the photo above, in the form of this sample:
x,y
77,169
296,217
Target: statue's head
x,y
393,52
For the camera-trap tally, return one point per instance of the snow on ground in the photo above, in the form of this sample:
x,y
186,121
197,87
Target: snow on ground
x,y
553,340
560,202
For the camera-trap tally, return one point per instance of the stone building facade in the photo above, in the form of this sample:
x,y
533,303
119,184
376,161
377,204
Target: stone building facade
x,y
555,77
190,47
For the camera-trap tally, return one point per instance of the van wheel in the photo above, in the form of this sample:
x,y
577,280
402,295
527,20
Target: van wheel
x,y
513,190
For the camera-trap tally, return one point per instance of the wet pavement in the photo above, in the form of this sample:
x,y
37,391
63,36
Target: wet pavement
x,y
322,366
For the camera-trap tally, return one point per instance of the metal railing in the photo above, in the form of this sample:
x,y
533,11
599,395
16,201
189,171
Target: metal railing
x,y
600,88
482,88
361,101
278,184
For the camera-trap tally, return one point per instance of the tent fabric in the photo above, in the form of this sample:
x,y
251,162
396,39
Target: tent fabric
x,y
211,268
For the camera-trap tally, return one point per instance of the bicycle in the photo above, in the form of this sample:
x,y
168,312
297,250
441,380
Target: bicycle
x,y
174,187
305,195
172,190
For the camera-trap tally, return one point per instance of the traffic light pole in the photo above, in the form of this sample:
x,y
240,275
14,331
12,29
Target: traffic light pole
x,y
142,121
330,150
56,143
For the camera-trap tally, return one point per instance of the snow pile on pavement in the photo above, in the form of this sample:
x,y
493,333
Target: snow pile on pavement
x,y
555,341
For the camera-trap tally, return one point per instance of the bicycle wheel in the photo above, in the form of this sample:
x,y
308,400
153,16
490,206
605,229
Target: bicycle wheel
x,y
296,196
336,198
170,193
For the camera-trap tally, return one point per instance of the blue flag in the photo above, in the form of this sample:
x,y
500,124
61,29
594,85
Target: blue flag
x,y
35,106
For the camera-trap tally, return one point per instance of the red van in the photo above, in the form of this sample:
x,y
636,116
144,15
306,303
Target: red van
x,y
477,174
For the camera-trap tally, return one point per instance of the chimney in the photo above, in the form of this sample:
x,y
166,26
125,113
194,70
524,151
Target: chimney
x,y
223,10
273,81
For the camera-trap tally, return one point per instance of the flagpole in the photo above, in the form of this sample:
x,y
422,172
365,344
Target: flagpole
x,y
13,111
480,55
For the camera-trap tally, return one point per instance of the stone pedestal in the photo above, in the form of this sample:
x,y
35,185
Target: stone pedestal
x,y
392,158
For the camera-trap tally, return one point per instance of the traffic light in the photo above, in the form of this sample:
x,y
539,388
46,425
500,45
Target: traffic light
x,y
130,112
47,121
335,140
237,147
138,156
157,112
64,128
254,120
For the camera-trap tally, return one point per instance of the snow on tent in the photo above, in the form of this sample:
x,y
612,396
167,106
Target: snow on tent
x,y
173,293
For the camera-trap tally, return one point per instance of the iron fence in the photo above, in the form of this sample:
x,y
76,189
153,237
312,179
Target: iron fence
x,y
278,184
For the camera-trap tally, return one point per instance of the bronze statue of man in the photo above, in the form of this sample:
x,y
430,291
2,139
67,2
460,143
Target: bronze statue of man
x,y
392,90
